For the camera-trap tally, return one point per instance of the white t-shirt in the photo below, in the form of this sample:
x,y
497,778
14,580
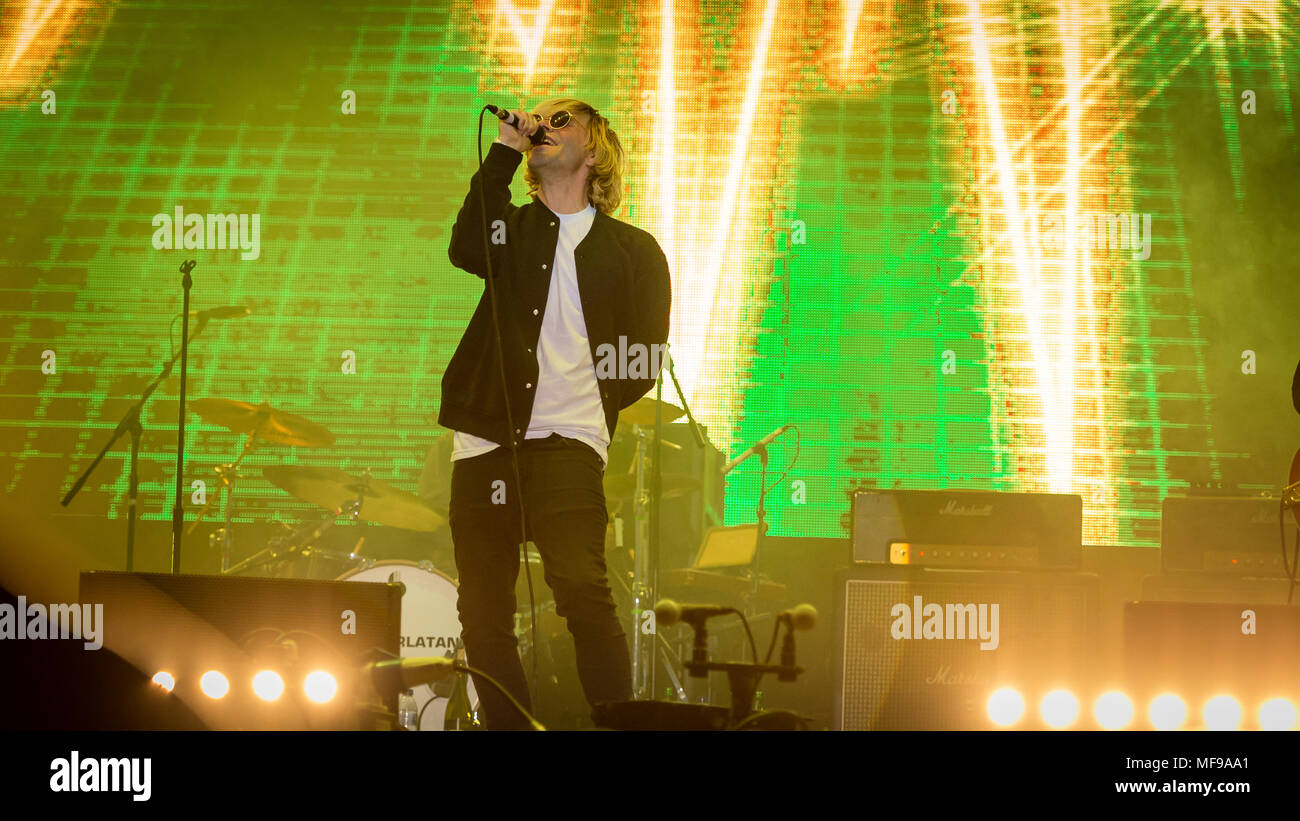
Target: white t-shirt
x,y
567,396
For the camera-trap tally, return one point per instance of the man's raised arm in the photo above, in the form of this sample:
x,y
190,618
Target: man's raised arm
x,y
466,248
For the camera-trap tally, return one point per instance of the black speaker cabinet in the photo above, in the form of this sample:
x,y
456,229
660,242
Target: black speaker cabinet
x,y
1249,649
186,625
922,649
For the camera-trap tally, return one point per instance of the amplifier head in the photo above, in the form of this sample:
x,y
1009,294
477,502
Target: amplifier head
x,y
1015,529
1224,535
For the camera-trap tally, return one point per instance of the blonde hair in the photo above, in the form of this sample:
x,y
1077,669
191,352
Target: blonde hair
x,y
605,177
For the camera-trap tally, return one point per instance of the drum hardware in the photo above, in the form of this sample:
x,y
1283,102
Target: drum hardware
x,y
258,423
671,658
430,623
300,543
228,474
646,505
623,488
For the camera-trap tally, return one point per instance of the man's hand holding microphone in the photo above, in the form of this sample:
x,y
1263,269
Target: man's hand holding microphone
x,y
518,137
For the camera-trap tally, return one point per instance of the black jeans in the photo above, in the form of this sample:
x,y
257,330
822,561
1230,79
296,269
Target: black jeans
x,y
565,500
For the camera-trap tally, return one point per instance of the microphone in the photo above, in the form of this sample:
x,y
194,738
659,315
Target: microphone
x,y
669,612
224,312
801,617
403,674
511,120
761,444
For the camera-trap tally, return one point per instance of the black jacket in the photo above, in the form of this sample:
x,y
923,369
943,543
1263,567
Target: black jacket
x,y
622,280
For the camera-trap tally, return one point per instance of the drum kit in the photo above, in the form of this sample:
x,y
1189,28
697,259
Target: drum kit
x,y
430,622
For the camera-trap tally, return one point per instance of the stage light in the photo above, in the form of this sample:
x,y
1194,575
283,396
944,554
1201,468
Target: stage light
x,y
1167,712
320,686
268,685
1113,710
1222,713
214,685
1277,714
1006,706
1059,709
164,680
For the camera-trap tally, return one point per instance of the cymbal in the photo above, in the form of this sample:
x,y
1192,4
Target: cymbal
x,y
332,488
263,422
642,412
621,486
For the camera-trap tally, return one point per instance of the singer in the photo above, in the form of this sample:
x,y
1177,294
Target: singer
x,y
569,277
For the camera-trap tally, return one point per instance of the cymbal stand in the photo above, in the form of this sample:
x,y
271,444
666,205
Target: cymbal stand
x,y
304,536
641,593
229,473
671,658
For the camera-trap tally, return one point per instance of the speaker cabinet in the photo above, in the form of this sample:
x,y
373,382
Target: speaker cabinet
x,y
187,625
976,631
1249,650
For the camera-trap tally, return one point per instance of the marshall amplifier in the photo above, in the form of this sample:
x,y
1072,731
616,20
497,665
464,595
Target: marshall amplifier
x,y
968,529
1224,535
922,649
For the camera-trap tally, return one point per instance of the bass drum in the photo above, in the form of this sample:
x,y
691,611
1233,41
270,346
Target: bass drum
x,y
430,624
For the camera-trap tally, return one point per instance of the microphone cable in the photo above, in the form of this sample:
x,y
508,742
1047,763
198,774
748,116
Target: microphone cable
x,y
1292,567
510,427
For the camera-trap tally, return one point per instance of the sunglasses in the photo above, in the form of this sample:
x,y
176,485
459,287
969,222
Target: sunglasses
x,y
557,120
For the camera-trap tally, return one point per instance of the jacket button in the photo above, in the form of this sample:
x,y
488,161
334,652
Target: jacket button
x,y
534,312
543,266
530,350
529,385
552,225
516,431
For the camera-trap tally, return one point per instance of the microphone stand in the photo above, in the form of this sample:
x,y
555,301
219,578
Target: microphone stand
x,y
759,449
761,536
742,677
130,424
656,488
178,512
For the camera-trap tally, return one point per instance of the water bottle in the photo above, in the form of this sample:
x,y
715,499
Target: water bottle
x,y
407,711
